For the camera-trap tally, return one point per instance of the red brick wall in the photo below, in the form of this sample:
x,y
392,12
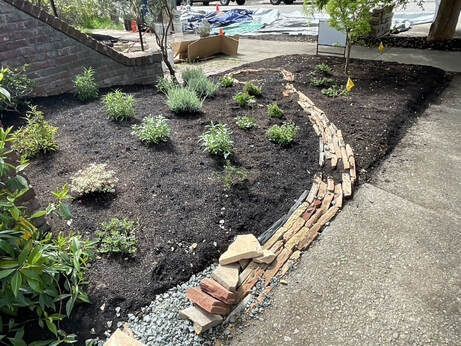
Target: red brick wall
x,y
56,52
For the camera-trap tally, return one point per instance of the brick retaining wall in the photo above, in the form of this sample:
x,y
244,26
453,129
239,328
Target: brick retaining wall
x,y
56,52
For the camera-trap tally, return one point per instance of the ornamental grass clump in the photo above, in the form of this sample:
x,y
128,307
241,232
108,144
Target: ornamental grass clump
x,y
182,100
86,86
243,99
95,179
246,122
252,89
274,111
283,134
117,236
217,140
119,106
153,130
203,87
192,73
164,85
38,136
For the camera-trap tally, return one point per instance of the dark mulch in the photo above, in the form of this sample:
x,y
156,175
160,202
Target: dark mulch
x,y
174,190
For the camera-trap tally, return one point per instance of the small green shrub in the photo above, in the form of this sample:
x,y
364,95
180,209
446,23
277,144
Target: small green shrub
x,y
244,99
119,106
96,178
203,87
38,136
334,91
117,236
16,87
183,101
153,130
217,140
252,89
321,82
324,68
246,122
227,81
87,88
192,73
233,175
274,111
283,134
164,85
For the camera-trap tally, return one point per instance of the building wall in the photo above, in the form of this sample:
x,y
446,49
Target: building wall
x,y
56,52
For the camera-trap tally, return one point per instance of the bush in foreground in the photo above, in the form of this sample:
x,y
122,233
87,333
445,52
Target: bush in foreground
x,y
86,86
96,178
38,136
119,106
217,140
153,130
117,236
183,101
283,134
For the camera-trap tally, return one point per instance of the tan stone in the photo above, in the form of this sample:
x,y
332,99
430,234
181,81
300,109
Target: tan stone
x,y
119,338
267,257
346,185
202,319
227,276
218,291
207,302
244,247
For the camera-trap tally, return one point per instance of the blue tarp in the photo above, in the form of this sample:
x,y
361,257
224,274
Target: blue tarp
x,y
218,19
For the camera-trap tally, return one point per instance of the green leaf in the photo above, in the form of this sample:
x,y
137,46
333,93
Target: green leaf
x,y
16,282
64,212
39,214
18,183
5,273
5,93
51,326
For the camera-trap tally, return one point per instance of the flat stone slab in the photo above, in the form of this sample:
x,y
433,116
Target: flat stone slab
x,y
207,302
202,320
244,247
267,258
227,275
120,338
218,291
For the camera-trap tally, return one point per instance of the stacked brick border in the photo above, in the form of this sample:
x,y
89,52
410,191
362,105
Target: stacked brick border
x,y
298,229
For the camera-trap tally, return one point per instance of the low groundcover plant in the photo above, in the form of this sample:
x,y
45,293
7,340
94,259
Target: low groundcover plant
x,y
153,130
283,134
96,178
117,236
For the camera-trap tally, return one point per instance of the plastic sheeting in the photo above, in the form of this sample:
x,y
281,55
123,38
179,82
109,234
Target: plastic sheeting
x,y
191,19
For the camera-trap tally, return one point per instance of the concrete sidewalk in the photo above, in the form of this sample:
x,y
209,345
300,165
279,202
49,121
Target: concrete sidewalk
x,y
388,268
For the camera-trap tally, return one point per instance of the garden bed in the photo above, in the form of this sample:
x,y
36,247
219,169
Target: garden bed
x,y
175,190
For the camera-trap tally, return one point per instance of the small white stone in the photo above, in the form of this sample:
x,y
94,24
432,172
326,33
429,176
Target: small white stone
x,y
102,307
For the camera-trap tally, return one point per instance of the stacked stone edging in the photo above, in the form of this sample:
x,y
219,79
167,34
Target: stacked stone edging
x,y
56,52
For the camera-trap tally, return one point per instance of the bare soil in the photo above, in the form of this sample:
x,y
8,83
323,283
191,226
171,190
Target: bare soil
x,y
175,190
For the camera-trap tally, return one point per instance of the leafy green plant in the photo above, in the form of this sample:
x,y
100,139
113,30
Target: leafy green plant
x,y
321,82
119,106
117,236
324,68
233,175
40,274
183,101
227,81
38,136
203,87
86,86
283,134
217,140
164,85
334,91
153,130
252,89
192,73
274,111
96,178
246,122
15,87
244,99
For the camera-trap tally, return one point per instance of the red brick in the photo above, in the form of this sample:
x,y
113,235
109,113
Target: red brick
x,y
206,302
217,291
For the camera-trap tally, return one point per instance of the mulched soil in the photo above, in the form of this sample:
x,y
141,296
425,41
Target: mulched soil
x,y
175,191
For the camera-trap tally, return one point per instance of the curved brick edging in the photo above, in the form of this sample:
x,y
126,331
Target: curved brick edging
x,y
295,231
56,52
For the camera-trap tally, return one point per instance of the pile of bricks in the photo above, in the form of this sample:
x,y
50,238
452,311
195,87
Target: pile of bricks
x,y
232,282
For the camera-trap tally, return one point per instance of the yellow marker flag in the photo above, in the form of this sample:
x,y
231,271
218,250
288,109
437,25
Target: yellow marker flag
x,y
381,47
350,85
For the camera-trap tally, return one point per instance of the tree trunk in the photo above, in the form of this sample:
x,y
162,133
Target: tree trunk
x,y
348,53
53,8
444,26
139,22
